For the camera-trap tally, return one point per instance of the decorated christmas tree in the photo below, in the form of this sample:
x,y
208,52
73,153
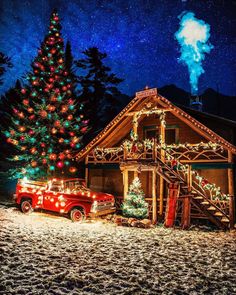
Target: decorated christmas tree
x,y
134,204
44,129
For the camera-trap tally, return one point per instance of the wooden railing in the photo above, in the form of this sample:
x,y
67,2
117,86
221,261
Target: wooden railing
x,y
148,149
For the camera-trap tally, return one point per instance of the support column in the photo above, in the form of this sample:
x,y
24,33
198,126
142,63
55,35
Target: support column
x,y
154,197
230,175
86,171
161,192
231,191
125,182
185,219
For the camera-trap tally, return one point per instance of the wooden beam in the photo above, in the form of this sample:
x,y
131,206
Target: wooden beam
x,y
146,112
154,197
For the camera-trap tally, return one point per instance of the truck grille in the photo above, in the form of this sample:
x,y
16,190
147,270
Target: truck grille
x,y
104,206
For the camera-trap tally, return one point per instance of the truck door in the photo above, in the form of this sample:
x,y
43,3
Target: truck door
x,y
51,197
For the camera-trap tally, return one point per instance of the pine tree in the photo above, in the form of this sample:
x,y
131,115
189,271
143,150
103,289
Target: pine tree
x,y
5,62
44,127
134,204
99,87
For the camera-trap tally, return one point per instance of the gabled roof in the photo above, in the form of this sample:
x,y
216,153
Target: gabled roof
x,y
137,103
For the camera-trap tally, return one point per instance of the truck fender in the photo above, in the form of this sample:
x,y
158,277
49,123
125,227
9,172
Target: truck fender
x,y
24,196
73,205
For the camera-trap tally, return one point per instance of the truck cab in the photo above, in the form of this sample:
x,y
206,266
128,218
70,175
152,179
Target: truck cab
x,y
67,196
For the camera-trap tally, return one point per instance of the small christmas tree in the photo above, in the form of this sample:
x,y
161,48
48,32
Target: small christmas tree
x,y
134,204
48,126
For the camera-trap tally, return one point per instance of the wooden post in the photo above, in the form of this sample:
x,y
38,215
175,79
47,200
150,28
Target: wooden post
x,y
185,220
154,197
231,212
230,175
125,182
189,178
135,124
161,192
86,171
231,191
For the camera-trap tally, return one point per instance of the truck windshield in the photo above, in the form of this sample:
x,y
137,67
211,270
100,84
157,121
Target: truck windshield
x,y
75,186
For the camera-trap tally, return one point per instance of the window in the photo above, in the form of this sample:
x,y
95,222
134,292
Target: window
x,y
171,133
151,133
170,136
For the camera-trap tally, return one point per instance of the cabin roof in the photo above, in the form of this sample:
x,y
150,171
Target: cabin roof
x,y
137,103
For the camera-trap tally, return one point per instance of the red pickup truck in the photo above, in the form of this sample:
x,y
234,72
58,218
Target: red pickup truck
x,y
68,196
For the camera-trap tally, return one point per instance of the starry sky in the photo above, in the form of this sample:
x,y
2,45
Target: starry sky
x,y
137,35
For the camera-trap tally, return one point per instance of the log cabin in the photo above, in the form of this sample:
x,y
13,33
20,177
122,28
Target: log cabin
x,y
164,146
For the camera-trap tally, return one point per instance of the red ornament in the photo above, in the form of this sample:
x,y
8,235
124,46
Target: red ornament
x,y
72,169
23,90
64,88
61,157
25,101
22,138
43,144
72,145
46,89
72,133
52,156
70,117
31,132
60,164
44,161
33,163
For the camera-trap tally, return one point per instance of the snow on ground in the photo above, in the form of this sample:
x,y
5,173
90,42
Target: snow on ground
x,y
44,254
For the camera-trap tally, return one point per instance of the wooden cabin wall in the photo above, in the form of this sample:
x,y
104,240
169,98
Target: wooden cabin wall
x,y
106,180
186,133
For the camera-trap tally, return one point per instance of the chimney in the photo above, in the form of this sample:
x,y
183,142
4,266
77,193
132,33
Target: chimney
x,y
196,103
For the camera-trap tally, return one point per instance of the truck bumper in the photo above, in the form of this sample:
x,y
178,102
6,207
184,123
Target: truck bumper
x,y
102,212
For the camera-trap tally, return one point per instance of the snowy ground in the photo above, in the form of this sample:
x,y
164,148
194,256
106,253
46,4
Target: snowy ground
x,y
44,254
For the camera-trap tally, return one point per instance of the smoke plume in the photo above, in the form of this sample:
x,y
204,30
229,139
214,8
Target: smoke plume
x,y
193,36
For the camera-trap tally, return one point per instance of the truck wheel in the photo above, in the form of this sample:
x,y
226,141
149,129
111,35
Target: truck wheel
x,y
76,215
26,207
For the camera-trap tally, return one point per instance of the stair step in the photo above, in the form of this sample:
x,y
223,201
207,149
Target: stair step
x,y
211,208
205,203
224,219
198,197
218,214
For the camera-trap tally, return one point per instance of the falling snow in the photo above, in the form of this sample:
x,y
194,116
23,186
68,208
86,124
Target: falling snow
x,y
45,254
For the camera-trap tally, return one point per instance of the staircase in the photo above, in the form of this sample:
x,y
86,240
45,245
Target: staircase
x,y
210,208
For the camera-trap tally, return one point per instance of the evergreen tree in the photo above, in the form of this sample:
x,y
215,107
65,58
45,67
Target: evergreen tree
x,y
99,87
134,204
44,127
4,63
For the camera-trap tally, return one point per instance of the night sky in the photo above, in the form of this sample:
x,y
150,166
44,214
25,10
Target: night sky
x,y
137,35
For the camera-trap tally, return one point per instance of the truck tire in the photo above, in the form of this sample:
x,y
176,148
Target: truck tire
x,y
26,206
77,215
